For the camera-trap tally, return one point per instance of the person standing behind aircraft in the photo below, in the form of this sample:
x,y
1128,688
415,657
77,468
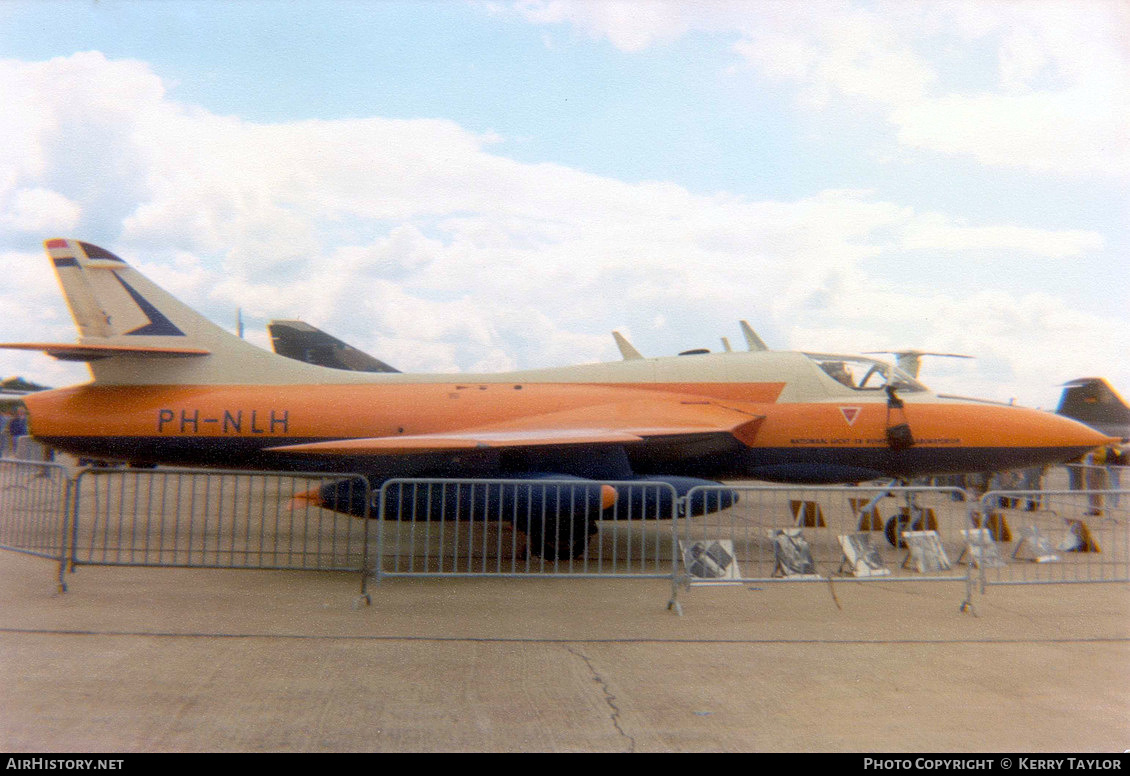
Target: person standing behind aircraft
x,y
1115,460
1033,480
17,427
1096,479
1075,473
5,433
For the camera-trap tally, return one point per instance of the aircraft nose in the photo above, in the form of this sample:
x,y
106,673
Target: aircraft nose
x,y
1076,434
1058,438
996,438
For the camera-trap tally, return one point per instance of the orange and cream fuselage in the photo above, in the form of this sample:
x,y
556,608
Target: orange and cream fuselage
x,y
170,387
420,420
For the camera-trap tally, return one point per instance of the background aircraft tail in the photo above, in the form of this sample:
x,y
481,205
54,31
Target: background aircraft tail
x,y
1092,401
132,332
303,342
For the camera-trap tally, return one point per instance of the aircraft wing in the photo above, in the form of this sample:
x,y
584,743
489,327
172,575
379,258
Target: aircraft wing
x,y
634,422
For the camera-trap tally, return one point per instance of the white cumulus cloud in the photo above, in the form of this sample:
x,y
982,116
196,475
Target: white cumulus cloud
x,y
1058,101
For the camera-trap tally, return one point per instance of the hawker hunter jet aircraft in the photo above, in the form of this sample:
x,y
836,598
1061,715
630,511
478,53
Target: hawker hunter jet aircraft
x,y
171,387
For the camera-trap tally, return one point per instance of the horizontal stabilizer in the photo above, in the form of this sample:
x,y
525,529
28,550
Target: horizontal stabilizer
x,y
78,352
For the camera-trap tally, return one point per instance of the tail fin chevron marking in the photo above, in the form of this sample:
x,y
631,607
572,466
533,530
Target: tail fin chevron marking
x,y
158,325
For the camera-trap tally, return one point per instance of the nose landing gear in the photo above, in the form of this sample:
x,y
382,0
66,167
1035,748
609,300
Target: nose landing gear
x,y
912,517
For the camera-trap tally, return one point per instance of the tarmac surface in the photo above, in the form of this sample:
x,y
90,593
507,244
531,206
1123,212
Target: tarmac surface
x,y
147,659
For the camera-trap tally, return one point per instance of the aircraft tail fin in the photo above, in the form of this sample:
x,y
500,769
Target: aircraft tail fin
x,y
303,342
753,342
627,350
133,332
1092,401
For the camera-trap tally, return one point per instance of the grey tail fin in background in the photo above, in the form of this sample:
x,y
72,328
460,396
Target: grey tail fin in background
x,y
1092,401
303,342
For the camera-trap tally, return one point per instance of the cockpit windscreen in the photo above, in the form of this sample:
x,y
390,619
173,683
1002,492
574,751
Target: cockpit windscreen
x,y
866,374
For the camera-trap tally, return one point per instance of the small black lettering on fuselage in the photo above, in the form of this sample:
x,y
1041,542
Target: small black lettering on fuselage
x,y
229,421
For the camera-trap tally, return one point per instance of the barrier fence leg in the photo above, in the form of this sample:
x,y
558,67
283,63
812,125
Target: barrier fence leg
x,y
365,597
673,604
967,604
69,502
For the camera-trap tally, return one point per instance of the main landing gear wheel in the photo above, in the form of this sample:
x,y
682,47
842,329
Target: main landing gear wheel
x,y
894,528
903,522
560,538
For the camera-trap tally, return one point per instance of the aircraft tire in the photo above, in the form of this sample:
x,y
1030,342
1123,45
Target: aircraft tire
x,y
562,540
894,528
896,525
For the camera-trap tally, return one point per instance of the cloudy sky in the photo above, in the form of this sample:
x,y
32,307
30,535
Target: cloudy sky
x,y
491,185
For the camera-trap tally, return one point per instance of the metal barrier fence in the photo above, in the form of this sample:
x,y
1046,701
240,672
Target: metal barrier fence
x,y
785,533
1052,536
33,507
1083,476
215,519
557,527
565,528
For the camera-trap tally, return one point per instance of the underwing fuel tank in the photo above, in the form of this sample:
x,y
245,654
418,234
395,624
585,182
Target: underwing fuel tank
x,y
557,513
638,500
645,497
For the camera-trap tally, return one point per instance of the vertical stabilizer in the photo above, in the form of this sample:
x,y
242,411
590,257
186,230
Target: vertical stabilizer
x,y
1092,401
133,332
303,342
753,342
627,350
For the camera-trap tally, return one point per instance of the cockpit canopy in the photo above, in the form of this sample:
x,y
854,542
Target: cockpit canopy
x,y
866,374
